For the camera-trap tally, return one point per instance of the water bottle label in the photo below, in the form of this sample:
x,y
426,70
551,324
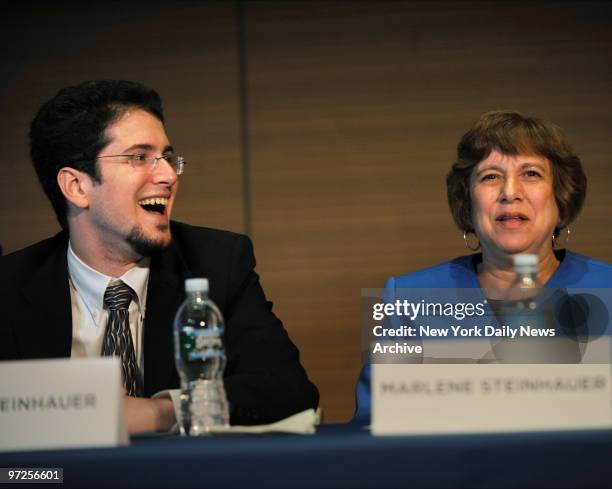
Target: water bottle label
x,y
201,344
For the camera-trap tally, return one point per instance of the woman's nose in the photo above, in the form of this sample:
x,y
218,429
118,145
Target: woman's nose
x,y
511,190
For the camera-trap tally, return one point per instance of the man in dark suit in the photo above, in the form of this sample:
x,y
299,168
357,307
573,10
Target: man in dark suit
x,y
103,158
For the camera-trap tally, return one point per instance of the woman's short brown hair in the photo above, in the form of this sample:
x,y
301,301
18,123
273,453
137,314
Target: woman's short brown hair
x,y
512,133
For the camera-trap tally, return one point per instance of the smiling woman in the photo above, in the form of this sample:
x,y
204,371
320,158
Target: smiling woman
x,y
516,185
513,205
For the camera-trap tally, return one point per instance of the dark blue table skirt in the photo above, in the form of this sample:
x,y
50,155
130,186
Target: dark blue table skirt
x,y
338,456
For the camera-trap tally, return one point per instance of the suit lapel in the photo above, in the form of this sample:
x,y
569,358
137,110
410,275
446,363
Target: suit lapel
x,y
44,329
165,294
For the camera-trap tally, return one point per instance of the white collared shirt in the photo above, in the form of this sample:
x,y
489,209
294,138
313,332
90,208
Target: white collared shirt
x,y
89,316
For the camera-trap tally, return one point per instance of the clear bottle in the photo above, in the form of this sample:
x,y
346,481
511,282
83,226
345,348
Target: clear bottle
x,y
529,308
200,361
519,308
526,284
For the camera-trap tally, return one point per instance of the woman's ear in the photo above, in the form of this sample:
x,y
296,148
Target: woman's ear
x,y
73,185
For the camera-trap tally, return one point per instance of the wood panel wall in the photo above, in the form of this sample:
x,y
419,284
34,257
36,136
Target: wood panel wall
x,y
356,109
352,111
187,51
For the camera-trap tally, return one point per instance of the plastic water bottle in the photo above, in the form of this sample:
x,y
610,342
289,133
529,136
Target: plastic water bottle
x,y
526,268
200,361
529,308
519,308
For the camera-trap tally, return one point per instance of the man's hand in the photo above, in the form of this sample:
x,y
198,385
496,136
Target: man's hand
x,y
148,414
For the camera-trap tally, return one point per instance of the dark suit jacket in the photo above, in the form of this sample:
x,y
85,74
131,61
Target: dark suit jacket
x,y
263,377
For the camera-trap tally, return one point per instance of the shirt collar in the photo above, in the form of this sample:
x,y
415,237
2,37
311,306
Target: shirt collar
x,y
91,284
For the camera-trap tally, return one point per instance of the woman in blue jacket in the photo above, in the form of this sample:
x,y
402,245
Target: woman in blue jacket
x,y
514,189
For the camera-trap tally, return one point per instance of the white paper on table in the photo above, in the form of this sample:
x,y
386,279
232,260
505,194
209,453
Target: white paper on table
x,y
301,423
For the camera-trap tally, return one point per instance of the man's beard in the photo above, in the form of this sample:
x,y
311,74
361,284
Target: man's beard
x,y
144,245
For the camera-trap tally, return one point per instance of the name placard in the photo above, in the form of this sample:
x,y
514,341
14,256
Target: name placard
x,y
61,403
470,398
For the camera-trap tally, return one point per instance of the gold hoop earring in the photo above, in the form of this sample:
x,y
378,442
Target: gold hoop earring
x,y
467,245
567,238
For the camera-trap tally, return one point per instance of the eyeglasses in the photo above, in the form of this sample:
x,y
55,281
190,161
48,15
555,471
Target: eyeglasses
x,y
140,161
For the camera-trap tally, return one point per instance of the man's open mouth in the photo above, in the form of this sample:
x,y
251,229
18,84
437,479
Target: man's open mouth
x,y
155,204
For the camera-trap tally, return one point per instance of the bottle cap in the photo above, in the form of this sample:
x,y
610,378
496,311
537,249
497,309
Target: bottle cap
x,y
196,285
525,260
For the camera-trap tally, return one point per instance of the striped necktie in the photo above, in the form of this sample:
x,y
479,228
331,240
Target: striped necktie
x,y
118,338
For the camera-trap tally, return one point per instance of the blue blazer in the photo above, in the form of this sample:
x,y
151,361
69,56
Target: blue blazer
x,y
574,271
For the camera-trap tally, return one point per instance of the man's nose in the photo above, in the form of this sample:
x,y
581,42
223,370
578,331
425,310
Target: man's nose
x,y
164,173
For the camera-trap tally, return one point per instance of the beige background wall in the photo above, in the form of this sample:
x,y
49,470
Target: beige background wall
x,y
323,129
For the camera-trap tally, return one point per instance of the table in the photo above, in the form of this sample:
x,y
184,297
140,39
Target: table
x,y
338,456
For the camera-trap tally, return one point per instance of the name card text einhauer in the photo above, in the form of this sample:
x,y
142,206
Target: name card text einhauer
x,y
61,403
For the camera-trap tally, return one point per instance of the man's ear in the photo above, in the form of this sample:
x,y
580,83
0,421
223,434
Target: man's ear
x,y
73,184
